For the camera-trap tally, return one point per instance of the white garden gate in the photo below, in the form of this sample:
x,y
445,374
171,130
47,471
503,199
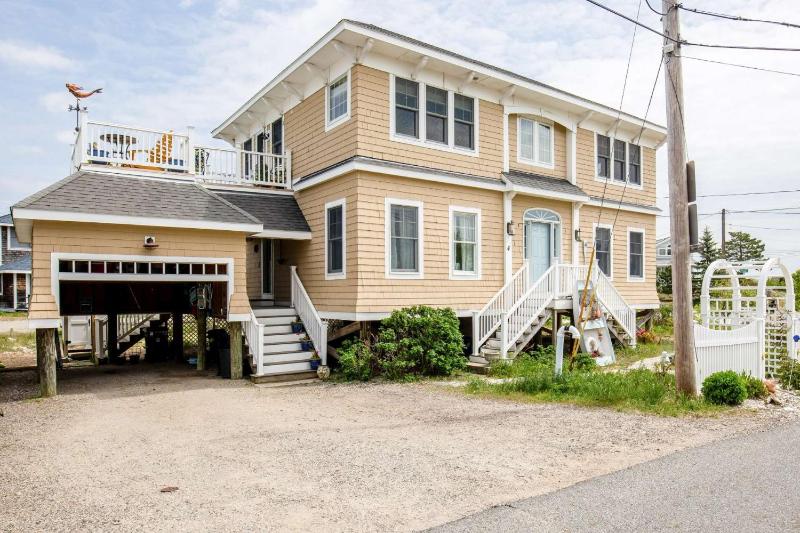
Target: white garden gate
x,y
733,349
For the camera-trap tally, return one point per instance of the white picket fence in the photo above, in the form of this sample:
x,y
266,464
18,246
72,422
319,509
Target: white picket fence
x,y
738,349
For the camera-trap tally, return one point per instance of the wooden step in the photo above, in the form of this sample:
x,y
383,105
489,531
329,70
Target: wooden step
x,y
281,329
277,338
275,311
287,357
282,348
296,375
285,368
277,320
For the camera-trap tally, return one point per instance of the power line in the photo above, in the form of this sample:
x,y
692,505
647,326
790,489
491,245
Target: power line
x,y
752,193
763,227
742,66
654,10
737,17
689,43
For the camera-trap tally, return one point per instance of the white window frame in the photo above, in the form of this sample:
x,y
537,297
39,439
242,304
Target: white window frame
x,y
450,146
595,225
330,124
8,242
459,274
343,274
535,161
610,179
644,255
387,244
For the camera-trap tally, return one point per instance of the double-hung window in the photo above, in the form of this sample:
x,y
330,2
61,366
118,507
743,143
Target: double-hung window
x,y
334,239
406,103
535,145
634,164
464,242
602,242
436,115
619,160
277,137
338,101
404,238
464,121
635,254
603,156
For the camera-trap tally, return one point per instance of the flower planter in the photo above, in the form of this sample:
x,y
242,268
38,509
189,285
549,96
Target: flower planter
x,y
314,364
297,327
307,345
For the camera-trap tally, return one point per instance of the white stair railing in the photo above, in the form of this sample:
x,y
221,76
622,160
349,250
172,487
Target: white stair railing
x,y
316,328
486,321
129,324
254,333
527,309
615,304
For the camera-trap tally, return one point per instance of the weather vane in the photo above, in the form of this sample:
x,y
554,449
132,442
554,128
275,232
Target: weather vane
x,y
79,94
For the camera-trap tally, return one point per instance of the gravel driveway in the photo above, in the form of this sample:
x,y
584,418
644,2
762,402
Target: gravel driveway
x,y
321,456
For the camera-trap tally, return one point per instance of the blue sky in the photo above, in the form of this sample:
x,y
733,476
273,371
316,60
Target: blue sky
x,y
192,62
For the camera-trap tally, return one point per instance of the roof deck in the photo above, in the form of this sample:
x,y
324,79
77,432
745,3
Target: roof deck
x,y
102,144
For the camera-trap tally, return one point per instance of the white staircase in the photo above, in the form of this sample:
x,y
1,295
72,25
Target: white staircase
x,y
281,350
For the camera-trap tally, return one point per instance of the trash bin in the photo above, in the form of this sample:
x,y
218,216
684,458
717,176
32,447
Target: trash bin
x,y
220,351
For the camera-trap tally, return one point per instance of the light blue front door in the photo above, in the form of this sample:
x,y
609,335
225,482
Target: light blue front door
x,y
539,248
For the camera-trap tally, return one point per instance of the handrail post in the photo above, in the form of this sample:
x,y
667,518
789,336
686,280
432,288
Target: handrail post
x,y
239,163
288,172
293,270
191,163
504,335
475,332
323,349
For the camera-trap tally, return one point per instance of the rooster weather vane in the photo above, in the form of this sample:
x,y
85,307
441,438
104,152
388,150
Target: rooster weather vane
x,y
79,94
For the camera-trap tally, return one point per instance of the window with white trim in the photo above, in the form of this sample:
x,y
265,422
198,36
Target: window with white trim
x,y
535,142
436,115
404,238
338,98
635,254
618,159
464,121
406,103
602,243
634,164
603,144
464,242
335,239
13,243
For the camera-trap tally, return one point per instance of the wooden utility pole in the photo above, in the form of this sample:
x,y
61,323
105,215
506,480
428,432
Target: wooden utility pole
x,y
682,313
724,232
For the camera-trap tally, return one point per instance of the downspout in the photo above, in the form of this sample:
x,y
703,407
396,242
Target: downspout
x,y
508,238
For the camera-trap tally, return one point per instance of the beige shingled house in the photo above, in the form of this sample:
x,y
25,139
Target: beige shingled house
x,y
374,172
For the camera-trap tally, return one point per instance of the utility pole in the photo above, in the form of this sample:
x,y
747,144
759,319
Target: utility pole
x,y
682,313
724,232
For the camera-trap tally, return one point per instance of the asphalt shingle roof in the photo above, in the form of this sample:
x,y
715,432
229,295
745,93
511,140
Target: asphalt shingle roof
x,y
113,194
20,265
275,211
6,219
546,183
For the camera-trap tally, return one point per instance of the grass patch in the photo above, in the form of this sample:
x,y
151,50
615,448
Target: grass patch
x,y
627,355
18,342
13,314
636,390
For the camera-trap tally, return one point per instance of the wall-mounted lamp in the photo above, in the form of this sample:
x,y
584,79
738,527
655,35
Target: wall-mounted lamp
x,y
578,235
510,230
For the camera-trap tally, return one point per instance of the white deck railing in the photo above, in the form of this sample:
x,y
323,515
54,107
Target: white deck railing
x,y
527,309
316,328
735,349
486,321
254,334
134,148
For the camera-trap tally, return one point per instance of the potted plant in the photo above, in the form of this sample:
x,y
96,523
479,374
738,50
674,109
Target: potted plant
x,y
315,361
306,344
297,327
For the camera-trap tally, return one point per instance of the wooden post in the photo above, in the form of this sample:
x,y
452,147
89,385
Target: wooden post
x,y
112,334
177,336
682,314
235,330
201,339
46,361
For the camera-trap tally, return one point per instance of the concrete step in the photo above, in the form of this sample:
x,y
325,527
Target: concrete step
x,y
287,357
284,329
277,320
282,348
274,311
278,338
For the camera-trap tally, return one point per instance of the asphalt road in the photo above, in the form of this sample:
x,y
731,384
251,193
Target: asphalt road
x,y
749,483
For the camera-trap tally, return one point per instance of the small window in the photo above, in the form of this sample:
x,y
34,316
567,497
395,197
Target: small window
x,y
535,142
636,254
334,238
436,115
602,242
337,100
635,164
277,137
464,242
406,101
404,239
603,155
619,160
464,121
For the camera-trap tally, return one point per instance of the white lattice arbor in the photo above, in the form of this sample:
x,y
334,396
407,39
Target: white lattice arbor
x,y
736,294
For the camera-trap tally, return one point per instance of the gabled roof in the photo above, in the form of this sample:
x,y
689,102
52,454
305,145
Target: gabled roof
x,y
6,220
21,265
527,182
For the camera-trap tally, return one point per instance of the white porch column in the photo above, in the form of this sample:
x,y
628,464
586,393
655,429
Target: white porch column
x,y
508,240
572,162
576,226
14,291
505,141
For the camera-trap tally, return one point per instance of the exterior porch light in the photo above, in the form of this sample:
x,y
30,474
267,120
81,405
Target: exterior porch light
x,y
510,230
578,235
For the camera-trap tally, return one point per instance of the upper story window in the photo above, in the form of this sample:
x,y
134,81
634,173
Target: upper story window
x,y
406,101
602,243
535,142
403,238
277,136
448,121
436,115
13,243
335,239
619,160
338,101
464,118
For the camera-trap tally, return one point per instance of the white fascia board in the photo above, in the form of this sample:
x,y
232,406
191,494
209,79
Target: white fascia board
x,y
544,193
365,166
613,204
15,271
281,234
65,216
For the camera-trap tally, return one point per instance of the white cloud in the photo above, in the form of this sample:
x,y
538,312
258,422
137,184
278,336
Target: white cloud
x,y
28,55
57,102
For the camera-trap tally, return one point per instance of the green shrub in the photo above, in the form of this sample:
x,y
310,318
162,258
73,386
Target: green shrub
x,y
584,361
421,340
356,360
756,390
788,373
724,388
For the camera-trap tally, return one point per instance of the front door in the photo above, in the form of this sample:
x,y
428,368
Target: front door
x,y
267,269
539,248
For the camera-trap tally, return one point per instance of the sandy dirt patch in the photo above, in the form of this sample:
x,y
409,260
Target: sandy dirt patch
x,y
316,457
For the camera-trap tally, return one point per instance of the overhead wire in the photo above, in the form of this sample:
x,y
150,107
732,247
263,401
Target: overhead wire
x,y
749,67
737,18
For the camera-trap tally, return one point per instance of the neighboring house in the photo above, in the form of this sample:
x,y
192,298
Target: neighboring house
x,y
15,268
375,172
663,252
